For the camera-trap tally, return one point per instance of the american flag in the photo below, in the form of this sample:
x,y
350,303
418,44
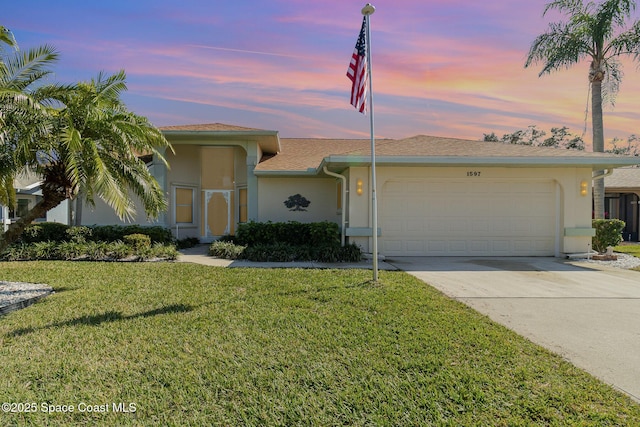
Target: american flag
x,y
357,71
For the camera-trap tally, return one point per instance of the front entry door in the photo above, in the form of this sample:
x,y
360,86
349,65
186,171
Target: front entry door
x,y
217,216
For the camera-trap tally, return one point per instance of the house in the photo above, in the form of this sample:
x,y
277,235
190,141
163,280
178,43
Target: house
x,y
28,193
436,196
622,200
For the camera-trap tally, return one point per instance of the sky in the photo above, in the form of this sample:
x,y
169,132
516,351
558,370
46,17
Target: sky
x,y
451,68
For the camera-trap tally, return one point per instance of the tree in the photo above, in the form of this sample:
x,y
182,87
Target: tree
x,y
595,32
560,138
21,113
632,147
87,142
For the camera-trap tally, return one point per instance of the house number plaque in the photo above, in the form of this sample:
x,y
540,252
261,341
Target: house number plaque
x,y
473,173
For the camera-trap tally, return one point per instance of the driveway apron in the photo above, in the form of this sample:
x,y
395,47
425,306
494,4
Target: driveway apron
x,y
585,312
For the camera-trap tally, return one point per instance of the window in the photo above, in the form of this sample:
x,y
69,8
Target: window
x,y
184,205
242,205
22,208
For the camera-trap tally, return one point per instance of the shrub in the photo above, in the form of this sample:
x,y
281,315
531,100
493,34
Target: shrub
x,y
137,241
120,250
159,250
45,232
56,232
78,234
608,233
96,251
226,250
291,241
71,250
291,233
113,233
228,238
93,251
44,250
187,242
277,252
17,252
324,233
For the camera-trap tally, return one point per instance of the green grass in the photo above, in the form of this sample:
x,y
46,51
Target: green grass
x,y
196,345
629,249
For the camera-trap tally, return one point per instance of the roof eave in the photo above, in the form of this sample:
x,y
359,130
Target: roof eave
x,y
286,173
594,163
269,140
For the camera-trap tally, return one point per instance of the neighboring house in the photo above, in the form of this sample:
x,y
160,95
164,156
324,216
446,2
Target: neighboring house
x,y
27,195
436,196
622,200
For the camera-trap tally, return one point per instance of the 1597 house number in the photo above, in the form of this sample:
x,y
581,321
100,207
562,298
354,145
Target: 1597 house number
x,y
473,173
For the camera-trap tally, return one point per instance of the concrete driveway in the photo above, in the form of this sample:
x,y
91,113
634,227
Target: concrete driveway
x,y
587,313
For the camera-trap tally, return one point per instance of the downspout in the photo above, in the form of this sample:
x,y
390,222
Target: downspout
x,y
602,175
344,202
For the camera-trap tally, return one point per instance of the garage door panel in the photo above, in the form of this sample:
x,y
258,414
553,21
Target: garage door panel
x,y
437,217
481,227
500,246
480,246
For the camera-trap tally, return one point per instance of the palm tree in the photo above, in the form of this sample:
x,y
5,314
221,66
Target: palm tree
x,y
21,114
596,32
92,147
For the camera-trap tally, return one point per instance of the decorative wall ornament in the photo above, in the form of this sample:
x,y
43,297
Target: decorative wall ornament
x,y
297,203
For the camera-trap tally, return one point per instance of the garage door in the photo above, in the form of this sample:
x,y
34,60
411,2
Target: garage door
x,y
421,217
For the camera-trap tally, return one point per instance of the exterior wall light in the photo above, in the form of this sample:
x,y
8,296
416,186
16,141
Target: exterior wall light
x,y
583,188
359,187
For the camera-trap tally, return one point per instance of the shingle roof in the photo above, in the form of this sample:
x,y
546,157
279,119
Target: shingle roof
x,y
623,178
303,155
207,127
424,145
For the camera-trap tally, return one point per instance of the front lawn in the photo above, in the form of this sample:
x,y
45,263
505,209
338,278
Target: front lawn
x,y
631,250
628,249
185,344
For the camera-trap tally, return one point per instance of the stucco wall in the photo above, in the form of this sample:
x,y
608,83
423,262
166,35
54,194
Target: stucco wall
x,y
321,192
103,214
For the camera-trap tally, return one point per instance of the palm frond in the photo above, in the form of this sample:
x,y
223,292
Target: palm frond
x,y
561,47
23,69
110,88
625,43
6,37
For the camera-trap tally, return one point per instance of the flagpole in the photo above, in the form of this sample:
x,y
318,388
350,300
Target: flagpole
x,y
367,11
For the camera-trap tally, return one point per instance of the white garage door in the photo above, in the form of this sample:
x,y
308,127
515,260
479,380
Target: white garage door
x,y
421,217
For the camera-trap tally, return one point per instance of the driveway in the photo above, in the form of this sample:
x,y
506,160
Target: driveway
x,y
587,313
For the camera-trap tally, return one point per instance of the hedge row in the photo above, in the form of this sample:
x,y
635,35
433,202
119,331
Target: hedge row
x,y
285,242
89,251
290,233
56,232
280,252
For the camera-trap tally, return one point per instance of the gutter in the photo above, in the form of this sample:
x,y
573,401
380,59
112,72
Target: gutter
x,y
496,161
343,220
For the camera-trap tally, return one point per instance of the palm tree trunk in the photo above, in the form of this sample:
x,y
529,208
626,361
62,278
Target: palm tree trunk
x,y
15,230
598,145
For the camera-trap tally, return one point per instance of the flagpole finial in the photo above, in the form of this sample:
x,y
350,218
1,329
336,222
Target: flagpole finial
x,y
368,9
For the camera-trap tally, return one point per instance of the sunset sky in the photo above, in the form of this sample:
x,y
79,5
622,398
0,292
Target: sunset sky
x,y
440,67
